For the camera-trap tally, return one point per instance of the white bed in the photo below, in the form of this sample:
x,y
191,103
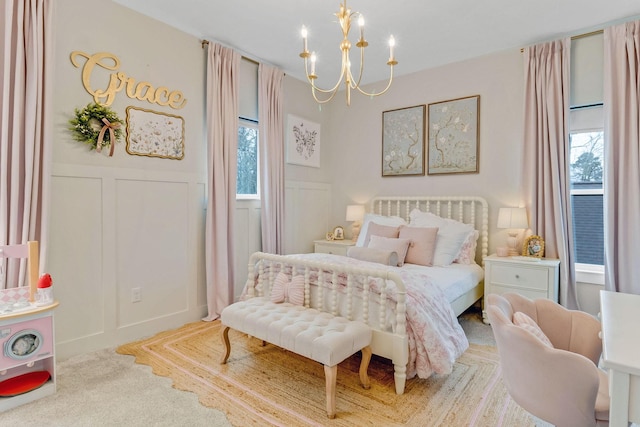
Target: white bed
x,y
417,329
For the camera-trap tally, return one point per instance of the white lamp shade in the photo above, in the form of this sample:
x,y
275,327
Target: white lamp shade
x,y
355,212
513,218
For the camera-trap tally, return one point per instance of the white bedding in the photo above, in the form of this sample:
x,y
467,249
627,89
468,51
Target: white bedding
x,y
436,339
454,280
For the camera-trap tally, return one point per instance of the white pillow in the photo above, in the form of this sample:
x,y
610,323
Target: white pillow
x,y
395,221
399,246
451,235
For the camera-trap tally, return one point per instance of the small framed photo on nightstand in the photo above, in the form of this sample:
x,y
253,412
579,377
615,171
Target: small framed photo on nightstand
x,y
338,233
533,246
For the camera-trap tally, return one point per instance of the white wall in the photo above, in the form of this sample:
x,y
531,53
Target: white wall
x,y
354,136
138,222
125,222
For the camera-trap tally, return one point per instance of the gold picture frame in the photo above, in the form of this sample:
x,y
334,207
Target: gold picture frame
x,y
338,233
453,136
533,246
154,134
403,152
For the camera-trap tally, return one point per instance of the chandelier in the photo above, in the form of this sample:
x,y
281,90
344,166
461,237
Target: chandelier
x,y
344,17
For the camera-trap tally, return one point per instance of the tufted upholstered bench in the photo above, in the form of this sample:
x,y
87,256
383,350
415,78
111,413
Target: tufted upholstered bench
x,y
314,334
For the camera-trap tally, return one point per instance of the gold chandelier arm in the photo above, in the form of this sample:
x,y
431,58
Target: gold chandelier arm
x,y
345,17
378,93
320,101
311,78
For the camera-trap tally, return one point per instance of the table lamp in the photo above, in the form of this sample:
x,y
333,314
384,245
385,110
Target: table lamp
x,y
355,214
514,219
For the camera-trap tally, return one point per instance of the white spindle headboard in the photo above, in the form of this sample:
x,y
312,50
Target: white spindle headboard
x,y
471,210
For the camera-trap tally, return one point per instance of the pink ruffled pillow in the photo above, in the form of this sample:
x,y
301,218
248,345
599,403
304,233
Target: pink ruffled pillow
x,y
467,254
528,324
285,290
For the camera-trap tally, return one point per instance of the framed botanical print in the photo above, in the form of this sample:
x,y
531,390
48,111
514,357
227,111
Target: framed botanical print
x,y
403,141
303,142
454,136
154,134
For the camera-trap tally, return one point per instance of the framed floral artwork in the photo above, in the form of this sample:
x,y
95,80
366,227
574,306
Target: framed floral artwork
x,y
303,142
454,136
403,141
154,134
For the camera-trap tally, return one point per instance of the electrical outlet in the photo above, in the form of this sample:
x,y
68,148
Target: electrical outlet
x,y
136,295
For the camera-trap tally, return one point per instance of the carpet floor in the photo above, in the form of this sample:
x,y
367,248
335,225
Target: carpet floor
x,y
270,386
104,388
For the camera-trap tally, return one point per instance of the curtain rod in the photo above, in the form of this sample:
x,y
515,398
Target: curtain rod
x,y
579,36
206,43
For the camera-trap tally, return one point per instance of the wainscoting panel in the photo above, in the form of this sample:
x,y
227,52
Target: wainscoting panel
x,y
200,207
74,256
248,239
116,233
307,210
152,223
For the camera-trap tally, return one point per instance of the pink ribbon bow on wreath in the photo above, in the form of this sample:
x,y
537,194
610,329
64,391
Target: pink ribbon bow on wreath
x,y
112,136
285,290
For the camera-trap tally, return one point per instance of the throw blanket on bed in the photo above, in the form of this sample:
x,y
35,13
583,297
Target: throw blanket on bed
x,y
435,337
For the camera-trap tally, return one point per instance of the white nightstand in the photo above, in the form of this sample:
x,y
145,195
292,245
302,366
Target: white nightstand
x,y
336,247
533,279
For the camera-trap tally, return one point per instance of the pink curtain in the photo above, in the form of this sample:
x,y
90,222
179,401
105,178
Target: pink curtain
x,y
546,178
222,143
622,156
271,142
25,124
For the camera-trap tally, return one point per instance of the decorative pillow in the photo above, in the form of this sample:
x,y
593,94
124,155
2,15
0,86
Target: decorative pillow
x,y
528,324
373,255
451,235
423,244
285,290
467,254
418,218
398,246
376,229
369,218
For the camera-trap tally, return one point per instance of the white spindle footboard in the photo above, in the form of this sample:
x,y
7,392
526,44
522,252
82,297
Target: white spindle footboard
x,y
342,290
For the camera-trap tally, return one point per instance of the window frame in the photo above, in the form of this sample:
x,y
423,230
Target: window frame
x,y
588,273
249,123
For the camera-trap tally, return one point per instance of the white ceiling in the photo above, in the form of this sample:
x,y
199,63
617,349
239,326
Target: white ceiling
x,y
427,33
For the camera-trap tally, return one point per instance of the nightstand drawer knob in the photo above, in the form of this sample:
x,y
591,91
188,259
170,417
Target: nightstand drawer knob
x,y
517,276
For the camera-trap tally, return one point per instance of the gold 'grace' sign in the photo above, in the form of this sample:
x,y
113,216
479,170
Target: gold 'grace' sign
x,y
119,80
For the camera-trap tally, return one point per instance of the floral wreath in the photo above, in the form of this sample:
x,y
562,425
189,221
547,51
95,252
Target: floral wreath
x,y
96,125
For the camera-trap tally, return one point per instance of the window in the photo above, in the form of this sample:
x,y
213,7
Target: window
x,y
586,170
247,179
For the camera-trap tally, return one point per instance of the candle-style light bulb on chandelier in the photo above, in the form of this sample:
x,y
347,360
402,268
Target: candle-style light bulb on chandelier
x,y
345,17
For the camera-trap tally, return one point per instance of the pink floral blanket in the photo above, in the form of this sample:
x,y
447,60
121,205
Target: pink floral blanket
x,y
435,337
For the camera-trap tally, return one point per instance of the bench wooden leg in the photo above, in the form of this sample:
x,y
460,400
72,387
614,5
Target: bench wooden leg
x,y
364,367
224,335
330,374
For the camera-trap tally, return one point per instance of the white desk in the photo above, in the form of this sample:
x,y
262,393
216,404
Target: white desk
x,y
620,315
